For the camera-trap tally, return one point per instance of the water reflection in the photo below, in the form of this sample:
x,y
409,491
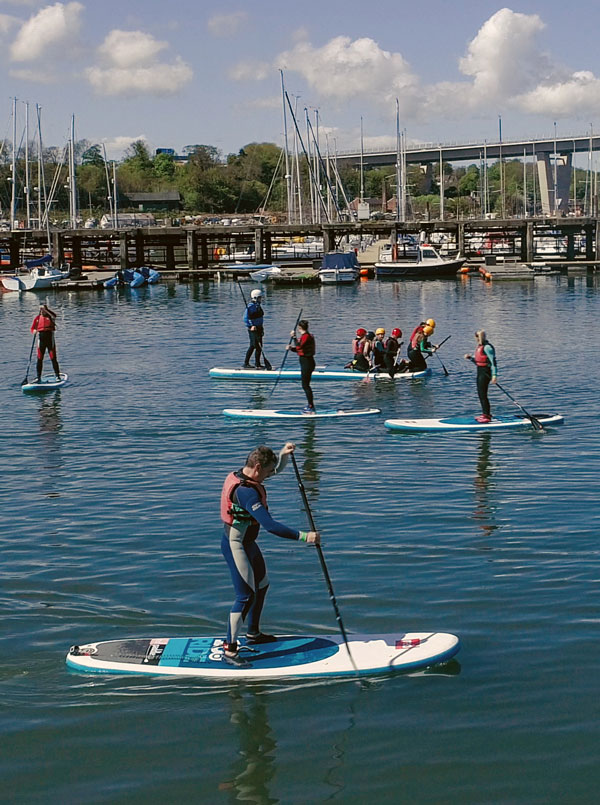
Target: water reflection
x,y
254,766
312,457
485,511
50,456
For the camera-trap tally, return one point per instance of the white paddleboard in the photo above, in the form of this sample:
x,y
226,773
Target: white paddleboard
x,y
292,656
48,383
266,413
470,423
318,374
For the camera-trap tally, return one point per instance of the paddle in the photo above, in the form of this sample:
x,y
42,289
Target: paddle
x,y
24,382
434,352
284,357
313,527
537,425
268,366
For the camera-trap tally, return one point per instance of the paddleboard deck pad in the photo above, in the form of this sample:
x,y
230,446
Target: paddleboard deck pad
x,y
266,413
470,423
289,656
47,383
318,374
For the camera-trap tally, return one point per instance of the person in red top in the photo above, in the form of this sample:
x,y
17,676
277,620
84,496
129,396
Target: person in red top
x,y
305,348
45,325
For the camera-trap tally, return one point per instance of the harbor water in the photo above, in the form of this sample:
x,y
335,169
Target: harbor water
x,y
110,529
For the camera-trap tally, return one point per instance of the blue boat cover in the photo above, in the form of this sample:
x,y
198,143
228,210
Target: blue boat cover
x,y
39,261
340,260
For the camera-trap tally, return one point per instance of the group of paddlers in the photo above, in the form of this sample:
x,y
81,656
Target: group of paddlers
x,y
373,352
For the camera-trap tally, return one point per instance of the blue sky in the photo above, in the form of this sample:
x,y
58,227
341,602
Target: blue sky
x,y
196,72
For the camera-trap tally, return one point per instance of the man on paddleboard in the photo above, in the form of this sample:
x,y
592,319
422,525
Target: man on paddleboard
x,y
45,325
253,319
243,511
487,372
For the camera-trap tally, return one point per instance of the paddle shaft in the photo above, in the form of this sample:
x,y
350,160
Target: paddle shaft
x,y
285,357
332,597
29,361
265,359
433,351
535,422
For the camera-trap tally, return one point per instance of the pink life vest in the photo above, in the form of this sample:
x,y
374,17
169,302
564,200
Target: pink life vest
x,y
232,482
414,339
481,359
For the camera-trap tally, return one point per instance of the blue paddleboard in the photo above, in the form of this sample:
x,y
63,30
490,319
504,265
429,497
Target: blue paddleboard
x,y
47,383
470,423
291,656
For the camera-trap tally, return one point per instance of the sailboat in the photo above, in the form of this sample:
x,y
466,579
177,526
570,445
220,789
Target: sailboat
x,y
37,274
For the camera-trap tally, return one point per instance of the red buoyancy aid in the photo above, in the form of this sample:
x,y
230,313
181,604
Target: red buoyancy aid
x,y
414,340
43,324
233,480
305,345
481,359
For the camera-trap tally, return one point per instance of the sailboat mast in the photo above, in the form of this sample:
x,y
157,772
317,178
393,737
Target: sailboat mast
x,y
287,156
72,185
398,157
27,180
13,193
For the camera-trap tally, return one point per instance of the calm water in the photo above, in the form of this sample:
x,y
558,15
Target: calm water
x,y
110,494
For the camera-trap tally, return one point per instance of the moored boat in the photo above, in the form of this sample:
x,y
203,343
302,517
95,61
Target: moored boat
x,y
339,268
427,262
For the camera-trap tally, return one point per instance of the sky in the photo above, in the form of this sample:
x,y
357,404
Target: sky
x,y
177,74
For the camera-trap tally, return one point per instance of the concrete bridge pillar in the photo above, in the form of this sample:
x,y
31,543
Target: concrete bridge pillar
x,y
554,201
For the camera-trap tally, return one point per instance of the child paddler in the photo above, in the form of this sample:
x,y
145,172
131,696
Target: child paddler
x,y
243,511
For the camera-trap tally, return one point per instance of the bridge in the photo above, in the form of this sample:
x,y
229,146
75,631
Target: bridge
x,y
554,174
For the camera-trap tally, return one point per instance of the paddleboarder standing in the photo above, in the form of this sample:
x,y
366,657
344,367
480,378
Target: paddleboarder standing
x,y
243,511
44,325
305,349
253,319
487,372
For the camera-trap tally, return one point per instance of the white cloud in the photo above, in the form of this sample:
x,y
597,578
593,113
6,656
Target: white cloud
x,y
250,71
503,67
116,146
227,24
573,96
131,48
39,75
131,67
7,22
52,28
343,69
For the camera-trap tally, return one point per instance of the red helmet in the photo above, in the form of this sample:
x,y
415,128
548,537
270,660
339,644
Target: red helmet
x,y
396,332
360,332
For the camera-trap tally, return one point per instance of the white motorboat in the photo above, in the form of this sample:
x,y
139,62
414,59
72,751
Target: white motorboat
x,y
339,268
427,262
